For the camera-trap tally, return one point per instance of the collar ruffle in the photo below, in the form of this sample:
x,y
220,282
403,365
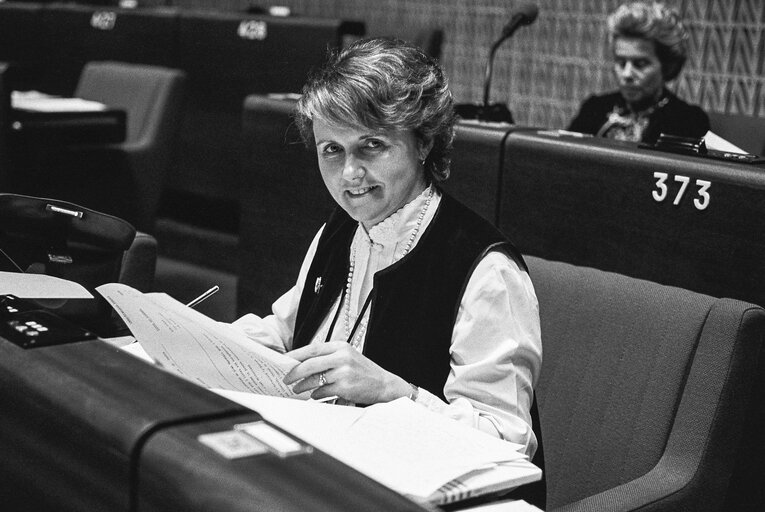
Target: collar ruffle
x,y
398,225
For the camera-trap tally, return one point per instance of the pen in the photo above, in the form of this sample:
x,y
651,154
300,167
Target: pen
x,y
204,296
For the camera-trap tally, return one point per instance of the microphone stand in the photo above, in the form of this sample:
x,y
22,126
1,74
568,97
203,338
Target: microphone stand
x,y
498,112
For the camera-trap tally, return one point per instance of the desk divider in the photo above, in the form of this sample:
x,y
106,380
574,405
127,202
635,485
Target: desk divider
x,y
684,221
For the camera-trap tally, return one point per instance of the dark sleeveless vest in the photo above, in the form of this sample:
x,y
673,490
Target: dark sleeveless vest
x,y
415,300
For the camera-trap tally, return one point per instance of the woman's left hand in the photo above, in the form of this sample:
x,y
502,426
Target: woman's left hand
x,y
346,374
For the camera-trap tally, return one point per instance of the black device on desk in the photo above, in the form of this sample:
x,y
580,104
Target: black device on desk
x,y
30,325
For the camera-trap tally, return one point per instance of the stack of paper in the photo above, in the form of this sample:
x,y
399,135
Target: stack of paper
x,y
402,445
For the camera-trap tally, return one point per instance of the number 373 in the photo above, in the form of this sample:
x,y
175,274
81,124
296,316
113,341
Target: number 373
x,y
660,193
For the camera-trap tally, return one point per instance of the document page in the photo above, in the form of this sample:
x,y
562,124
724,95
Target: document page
x,y
40,286
415,451
187,343
402,445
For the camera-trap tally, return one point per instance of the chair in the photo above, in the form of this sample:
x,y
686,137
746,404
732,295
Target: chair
x,y
152,97
125,179
65,240
645,392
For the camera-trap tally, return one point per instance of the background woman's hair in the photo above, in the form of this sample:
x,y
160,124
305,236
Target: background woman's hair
x,y
654,22
383,84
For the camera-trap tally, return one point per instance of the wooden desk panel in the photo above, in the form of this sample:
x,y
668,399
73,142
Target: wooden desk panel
x,y
88,427
178,473
283,199
73,418
640,212
45,129
475,177
77,34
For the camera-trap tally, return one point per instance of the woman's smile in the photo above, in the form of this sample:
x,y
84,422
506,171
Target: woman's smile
x,y
370,173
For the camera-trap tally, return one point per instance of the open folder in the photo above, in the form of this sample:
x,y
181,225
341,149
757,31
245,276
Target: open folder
x,y
416,452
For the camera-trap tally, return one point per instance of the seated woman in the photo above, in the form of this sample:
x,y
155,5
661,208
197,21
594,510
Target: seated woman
x,y
404,292
649,45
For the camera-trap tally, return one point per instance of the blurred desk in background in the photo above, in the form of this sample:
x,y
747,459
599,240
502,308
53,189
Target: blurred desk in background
x,y
38,118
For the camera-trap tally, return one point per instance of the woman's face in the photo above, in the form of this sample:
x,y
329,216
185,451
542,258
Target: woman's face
x,y
638,71
370,174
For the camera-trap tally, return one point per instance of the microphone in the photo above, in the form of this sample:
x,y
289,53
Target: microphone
x,y
526,15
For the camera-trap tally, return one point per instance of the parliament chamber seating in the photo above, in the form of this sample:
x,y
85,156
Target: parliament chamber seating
x,y
124,179
225,56
649,395
79,34
686,221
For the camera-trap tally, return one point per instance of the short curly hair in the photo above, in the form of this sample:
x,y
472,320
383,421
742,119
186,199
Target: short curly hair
x,y
653,22
383,84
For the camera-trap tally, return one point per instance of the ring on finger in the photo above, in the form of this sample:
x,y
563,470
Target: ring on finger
x,y
322,379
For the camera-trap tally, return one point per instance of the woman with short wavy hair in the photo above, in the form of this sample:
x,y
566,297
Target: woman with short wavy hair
x,y
649,45
404,291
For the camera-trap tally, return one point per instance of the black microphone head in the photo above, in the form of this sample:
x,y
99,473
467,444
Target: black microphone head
x,y
528,13
525,15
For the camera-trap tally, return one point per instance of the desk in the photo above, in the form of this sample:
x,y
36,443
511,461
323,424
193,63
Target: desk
x,y
41,119
685,221
87,427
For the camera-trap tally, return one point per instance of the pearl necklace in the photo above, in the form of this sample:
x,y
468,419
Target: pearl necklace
x,y
359,335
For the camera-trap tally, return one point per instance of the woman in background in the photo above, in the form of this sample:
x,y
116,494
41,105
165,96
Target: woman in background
x,y
649,44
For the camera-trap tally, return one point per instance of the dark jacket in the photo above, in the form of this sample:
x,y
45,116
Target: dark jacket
x,y
676,117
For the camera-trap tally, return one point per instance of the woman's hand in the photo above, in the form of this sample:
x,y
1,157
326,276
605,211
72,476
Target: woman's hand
x,y
347,374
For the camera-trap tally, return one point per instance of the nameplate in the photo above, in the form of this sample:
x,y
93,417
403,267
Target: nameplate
x,y
253,30
103,20
232,444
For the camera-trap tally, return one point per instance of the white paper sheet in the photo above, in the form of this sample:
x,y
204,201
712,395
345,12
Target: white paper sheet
x,y
400,444
415,451
35,101
186,342
714,141
40,286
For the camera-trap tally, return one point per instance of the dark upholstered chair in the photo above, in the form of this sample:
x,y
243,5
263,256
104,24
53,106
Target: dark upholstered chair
x,y
152,97
645,392
125,179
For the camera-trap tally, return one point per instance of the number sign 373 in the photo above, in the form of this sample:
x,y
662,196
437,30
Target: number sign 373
x,y
662,192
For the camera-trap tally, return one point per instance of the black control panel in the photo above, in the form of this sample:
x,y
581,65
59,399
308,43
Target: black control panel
x,y
29,325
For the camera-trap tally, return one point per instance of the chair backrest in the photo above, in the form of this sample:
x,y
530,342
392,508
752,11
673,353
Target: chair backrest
x,y
644,389
152,96
65,240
